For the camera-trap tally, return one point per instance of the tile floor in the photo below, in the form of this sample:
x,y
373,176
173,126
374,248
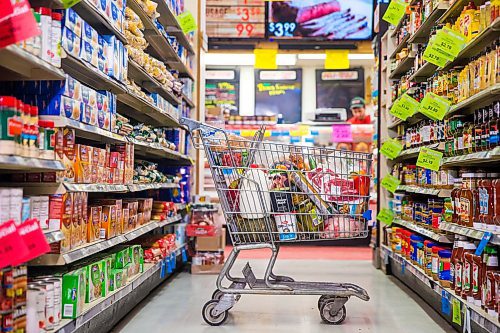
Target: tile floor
x,y
176,305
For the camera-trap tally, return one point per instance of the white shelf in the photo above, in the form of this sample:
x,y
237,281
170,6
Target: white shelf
x,y
474,158
99,246
482,98
95,187
152,186
26,66
14,162
469,232
443,193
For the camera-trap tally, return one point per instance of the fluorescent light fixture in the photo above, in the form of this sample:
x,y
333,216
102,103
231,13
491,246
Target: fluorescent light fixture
x,y
245,59
322,56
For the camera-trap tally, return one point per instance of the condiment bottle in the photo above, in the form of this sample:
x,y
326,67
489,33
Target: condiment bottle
x,y
496,203
25,142
456,253
444,268
475,192
10,128
490,262
435,262
467,200
477,280
494,113
455,199
488,201
485,130
477,130
469,249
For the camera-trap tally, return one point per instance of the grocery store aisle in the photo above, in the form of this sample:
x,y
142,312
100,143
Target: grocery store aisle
x,y
176,306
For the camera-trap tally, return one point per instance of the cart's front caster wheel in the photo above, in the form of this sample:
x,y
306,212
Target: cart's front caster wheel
x,y
208,314
217,295
332,318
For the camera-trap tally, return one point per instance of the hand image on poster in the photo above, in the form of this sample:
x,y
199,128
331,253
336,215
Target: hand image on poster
x,y
320,19
279,92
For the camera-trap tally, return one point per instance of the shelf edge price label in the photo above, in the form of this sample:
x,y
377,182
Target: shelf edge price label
x,y
390,183
429,159
404,107
395,12
449,41
187,22
435,55
391,149
386,216
434,106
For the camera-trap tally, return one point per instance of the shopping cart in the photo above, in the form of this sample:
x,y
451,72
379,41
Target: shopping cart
x,y
273,193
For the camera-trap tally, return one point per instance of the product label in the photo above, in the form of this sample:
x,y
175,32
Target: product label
x,y
435,266
466,277
458,274
475,278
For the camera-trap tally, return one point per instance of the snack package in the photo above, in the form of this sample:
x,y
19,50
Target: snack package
x,y
305,186
94,285
287,226
73,293
280,188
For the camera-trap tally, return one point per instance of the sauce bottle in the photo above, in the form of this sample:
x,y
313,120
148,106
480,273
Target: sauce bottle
x,y
467,200
496,203
491,267
494,113
469,249
488,201
459,267
455,199
485,130
477,130
458,138
456,253
475,192
476,279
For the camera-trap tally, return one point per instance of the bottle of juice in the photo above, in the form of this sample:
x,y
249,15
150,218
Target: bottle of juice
x,y
455,199
477,130
494,115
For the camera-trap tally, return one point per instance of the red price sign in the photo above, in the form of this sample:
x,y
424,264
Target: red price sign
x,y
34,239
12,247
244,29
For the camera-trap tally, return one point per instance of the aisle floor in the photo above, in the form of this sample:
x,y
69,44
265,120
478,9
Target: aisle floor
x,y
176,305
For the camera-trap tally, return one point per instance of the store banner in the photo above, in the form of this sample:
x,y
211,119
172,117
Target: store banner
x,y
17,22
265,58
12,247
404,107
434,106
337,59
187,22
395,12
429,159
341,133
34,239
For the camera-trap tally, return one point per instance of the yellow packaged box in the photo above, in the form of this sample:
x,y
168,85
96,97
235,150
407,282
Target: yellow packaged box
x,y
108,221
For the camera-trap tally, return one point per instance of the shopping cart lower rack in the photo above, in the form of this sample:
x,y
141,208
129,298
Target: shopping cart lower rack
x,y
273,193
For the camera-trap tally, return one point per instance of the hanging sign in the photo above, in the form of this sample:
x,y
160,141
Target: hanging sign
x,y
34,239
391,149
386,216
265,58
404,107
390,183
395,12
12,247
337,59
434,106
429,159
187,22
17,22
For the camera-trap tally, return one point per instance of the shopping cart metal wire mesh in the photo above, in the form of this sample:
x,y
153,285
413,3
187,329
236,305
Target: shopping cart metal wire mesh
x,y
273,193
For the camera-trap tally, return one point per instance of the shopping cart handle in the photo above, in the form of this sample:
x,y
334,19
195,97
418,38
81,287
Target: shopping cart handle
x,y
368,214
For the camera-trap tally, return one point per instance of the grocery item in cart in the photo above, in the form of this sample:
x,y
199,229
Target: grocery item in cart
x,y
218,142
305,186
254,197
308,218
281,197
287,226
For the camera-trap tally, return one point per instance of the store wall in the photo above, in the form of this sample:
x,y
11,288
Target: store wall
x,y
247,86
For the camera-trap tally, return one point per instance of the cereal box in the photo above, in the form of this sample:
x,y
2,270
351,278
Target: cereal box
x,y
94,224
93,274
73,293
60,212
69,154
108,221
83,169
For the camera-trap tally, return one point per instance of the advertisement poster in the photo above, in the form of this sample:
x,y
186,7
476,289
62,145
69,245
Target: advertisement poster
x,y
222,91
336,88
235,18
320,19
279,92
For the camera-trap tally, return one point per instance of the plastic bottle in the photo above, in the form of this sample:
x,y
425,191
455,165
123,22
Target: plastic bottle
x,y
55,41
469,249
46,28
9,125
251,206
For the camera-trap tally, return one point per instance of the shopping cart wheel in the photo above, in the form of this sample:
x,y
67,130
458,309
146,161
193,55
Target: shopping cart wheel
x,y
217,295
332,318
322,300
209,317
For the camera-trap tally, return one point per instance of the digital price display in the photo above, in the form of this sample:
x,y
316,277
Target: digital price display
x,y
320,19
235,18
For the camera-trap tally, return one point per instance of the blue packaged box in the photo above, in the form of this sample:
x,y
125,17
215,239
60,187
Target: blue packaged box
x,y
89,115
33,87
70,42
73,88
73,22
101,57
89,96
89,34
63,106
88,53
112,56
104,6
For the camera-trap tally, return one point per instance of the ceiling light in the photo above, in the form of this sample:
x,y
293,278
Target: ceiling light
x,y
322,56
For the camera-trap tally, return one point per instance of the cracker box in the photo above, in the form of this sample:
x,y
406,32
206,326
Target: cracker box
x,y
63,106
70,42
69,157
104,6
125,219
94,286
108,221
89,96
73,293
89,115
84,217
75,221
83,169
89,34
73,22
72,88
107,267
135,259
122,257
60,212
116,280
94,224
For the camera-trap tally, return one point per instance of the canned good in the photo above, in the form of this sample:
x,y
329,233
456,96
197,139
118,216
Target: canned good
x,y
57,284
48,287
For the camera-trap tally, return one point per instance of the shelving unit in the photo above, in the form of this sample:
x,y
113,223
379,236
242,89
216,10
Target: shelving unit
x,y
393,263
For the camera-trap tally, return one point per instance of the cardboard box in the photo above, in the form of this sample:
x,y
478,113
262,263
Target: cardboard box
x,y
206,269
116,280
125,220
94,224
108,221
73,293
214,243
83,170
60,213
75,221
135,259
94,278
69,157
107,267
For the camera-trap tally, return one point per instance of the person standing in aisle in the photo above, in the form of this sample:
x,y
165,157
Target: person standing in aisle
x,y
359,114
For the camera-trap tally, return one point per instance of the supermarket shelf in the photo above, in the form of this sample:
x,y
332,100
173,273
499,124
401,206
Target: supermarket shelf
x,y
402,67
141,77
95,187
153,186
188,101
90,75
428,289
400,46
423,231
104,313
18,64
84,130
155,150
182,68
396,28
469,232
169,22
96,247
413,152
474,158
424,72
53,236
477,45
443,193
169,220
88,12
453,10
19,163
136,107
422,34
483,98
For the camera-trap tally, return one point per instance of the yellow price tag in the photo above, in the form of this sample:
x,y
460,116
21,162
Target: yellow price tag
x,y
187,22
395,12
265,58
390,183
386,215
429,159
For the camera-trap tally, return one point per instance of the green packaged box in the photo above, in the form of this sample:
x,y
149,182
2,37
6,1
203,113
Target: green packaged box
x,y
94,275
141,260
106,267
73,293
135,260
116,279
122,258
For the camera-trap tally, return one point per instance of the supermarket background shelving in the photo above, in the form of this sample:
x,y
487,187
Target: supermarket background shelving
x,y
386,48
17,64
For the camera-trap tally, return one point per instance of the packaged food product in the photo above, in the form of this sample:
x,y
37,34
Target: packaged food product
x,y
108,221
73,293
82,164
94,281
73,22
69,154
60,212
70,43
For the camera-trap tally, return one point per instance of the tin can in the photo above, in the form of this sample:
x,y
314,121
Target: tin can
x,y
35,309
48,287
57,284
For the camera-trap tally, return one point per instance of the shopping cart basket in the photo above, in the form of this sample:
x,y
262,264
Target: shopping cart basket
x,y
273,193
